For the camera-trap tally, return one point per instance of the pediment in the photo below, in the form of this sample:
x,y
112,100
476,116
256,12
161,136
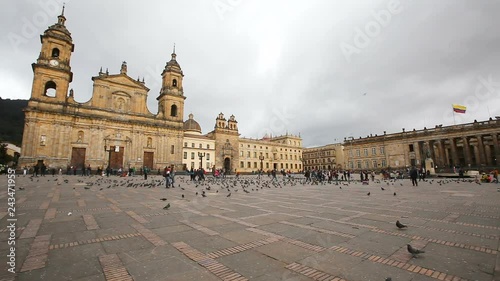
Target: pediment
x,y
121,79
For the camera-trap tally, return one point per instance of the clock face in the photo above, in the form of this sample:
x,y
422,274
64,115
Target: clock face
x,y
53,62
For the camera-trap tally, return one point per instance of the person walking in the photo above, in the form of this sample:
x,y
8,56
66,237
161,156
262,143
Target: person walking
x,y
145,170
413,176
166,174
172,175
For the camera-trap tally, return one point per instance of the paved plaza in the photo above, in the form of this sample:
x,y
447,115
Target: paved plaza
x,y
93,228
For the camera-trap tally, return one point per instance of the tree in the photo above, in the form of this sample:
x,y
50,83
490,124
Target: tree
x,y
4,157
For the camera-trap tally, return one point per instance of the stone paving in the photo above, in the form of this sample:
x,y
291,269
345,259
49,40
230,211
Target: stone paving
x,y
118,229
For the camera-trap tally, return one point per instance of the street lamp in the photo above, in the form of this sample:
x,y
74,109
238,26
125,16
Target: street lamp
x,y
108,151
404,146
201,155
261,158
351,155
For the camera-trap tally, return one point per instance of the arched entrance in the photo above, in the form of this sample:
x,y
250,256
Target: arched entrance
x,y
227,165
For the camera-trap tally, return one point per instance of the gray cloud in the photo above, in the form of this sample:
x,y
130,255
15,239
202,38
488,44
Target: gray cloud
x,y
278,66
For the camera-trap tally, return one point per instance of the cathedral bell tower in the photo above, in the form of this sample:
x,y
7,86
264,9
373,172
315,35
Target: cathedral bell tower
x,y
171,99
52,70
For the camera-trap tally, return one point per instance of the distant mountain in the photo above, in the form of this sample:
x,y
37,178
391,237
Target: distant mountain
x,y
12,120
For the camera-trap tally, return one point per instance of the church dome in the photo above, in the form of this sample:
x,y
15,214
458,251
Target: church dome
x,y
191,125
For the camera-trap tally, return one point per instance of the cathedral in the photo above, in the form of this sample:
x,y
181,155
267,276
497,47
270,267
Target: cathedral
x,y
116,129
113,128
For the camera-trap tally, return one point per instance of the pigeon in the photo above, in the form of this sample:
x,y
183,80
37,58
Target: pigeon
x,y
388,279
182,195
228,195
400,225
382,188
166,207
394,193
163,199
70,213
368,193
414,251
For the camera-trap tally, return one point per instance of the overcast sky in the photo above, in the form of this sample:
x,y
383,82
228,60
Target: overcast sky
x,y
324,69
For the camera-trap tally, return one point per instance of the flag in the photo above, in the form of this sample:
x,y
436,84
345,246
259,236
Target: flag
x,y
459,108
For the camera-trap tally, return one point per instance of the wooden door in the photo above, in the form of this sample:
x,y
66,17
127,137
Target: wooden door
x,y
116,158
78,157
148,159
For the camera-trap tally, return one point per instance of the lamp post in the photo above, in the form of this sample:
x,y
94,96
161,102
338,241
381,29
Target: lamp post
x,y
351,155
404,147
385,154
201,155
108,151
261,158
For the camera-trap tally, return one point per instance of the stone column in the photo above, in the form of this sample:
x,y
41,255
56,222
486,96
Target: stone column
x,y
430,146
441,153
417,151
487,151
496,147
481,157
476,154
468,157
454,155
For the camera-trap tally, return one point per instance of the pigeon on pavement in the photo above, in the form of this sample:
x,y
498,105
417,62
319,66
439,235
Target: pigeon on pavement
x,y
400,225
414,251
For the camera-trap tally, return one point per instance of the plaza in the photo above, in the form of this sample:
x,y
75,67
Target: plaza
x,y
117,228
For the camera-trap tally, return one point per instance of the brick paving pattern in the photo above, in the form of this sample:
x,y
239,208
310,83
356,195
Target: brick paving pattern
x,y
118,230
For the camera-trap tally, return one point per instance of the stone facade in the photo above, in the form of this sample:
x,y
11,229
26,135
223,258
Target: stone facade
x,y
472,145
237,154
113,128
198,150
327,157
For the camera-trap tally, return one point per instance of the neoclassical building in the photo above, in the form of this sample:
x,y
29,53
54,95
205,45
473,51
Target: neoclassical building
x,y
326,157
116,128
225,149
113,128
473,145
198,150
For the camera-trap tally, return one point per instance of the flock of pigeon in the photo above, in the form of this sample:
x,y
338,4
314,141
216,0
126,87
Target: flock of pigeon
x,y
229,185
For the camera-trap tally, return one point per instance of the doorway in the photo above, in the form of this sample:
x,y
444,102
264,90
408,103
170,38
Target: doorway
x,y
116,157
227,165
78,157
148,159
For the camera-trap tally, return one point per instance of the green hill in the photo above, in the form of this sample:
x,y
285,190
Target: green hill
x,y
12,120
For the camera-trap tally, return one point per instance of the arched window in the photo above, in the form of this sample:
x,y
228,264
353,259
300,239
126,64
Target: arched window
x,y
50,89
173,110
174,83
55,53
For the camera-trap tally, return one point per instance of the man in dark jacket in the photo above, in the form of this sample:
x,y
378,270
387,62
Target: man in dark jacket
x,y
413,176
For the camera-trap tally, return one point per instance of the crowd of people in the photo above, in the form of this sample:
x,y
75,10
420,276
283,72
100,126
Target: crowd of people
x,y
311,176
